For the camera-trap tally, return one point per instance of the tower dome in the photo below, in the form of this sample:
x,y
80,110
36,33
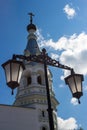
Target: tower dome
x,y
31,27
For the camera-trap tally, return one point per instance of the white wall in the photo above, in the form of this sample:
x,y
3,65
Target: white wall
x,y
16,118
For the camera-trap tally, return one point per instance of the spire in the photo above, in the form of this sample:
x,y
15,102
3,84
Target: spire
x,y
32,46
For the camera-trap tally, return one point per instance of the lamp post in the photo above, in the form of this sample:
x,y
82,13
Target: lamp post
x,y
14,68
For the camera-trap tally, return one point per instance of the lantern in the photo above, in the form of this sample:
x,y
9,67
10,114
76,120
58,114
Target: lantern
x,y
13,71
75,84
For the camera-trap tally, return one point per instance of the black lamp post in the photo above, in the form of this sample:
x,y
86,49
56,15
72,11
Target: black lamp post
x,y
14,68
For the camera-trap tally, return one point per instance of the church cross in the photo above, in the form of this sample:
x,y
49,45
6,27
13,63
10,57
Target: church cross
x,y
31,15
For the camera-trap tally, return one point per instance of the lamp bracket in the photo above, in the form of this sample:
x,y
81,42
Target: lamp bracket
x,y
43,58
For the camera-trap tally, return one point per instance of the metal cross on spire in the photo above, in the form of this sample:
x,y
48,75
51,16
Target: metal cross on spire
x,y
31,15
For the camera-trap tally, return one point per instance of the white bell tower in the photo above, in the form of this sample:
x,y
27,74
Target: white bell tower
x,y
32,90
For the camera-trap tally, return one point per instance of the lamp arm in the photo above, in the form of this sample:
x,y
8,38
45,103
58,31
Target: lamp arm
x,y
40,59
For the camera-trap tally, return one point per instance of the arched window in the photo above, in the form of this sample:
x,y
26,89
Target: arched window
x,y
43,114
28,80
43,128
39,79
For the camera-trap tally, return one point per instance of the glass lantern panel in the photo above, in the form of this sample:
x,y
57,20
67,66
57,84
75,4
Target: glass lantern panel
x,y
20,73
78,83
72,84
7,72
15,70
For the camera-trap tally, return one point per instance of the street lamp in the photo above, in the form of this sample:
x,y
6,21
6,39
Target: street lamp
x,y
13,70
75,84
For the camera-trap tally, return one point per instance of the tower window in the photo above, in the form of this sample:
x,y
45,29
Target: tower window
x,y
39,79
43,114
29,80
43,128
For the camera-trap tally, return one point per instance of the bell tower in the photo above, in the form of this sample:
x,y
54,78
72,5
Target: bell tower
x,y
32,90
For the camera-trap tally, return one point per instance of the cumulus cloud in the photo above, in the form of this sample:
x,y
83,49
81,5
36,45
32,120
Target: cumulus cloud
x,y
73,51
40,38
54,56
74,101
69,11
61,86
67,124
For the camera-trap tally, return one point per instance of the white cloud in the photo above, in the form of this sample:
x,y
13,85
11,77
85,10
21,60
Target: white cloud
x,y
73,51
61,86
40,38
54,56
74,101
70,12
67,124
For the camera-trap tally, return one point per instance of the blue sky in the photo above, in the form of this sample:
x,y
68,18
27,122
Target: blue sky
x,y
62,29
